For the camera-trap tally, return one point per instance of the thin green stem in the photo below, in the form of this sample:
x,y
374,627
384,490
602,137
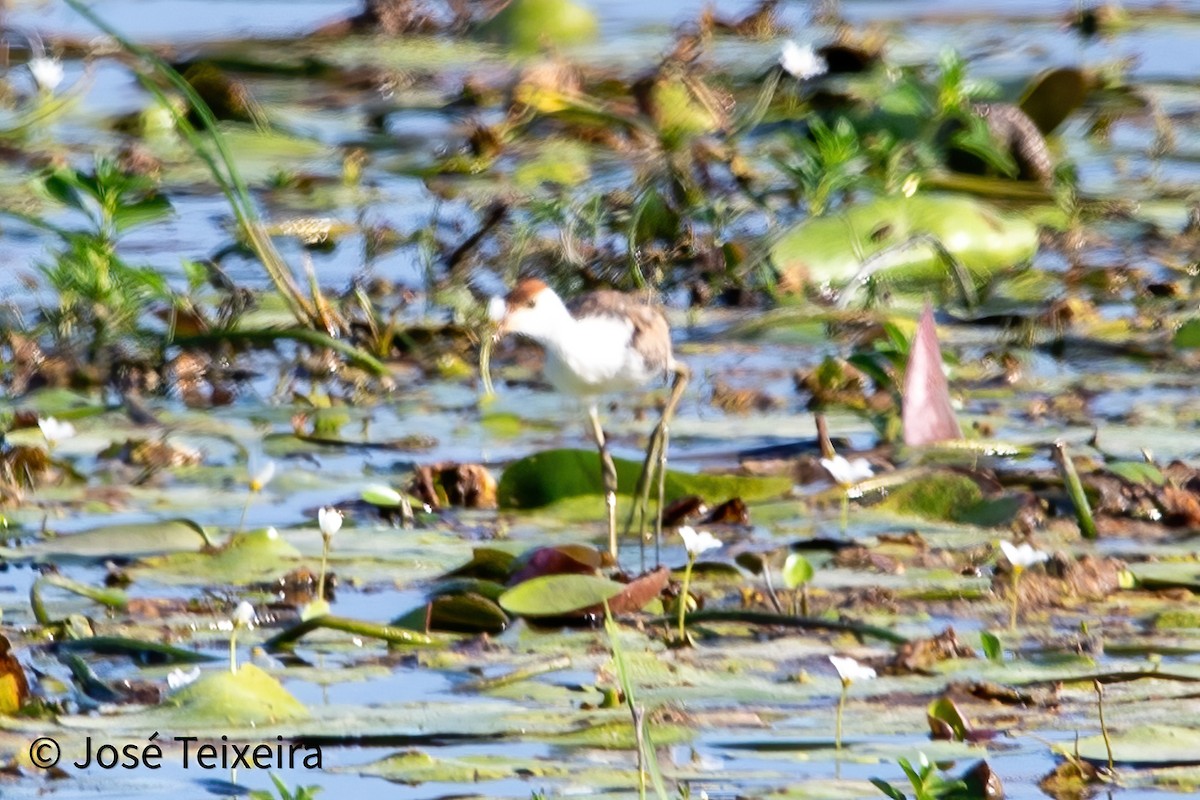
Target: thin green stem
x,y
242,521
683,594
845,511
321,578
1103,726
841,706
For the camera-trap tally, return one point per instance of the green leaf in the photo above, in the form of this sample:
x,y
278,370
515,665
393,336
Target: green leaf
x,y
382,496
64,191
797,571
547,477
888,789
1145,744
1138,472
1188,335
149,209
833,248
245,558
944,711
526,25
558,595
467,612
127,541
248,697
993,649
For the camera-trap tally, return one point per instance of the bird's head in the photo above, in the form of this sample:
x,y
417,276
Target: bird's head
x,y
531,309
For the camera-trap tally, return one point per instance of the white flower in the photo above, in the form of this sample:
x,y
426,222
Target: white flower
x,y
272,533
1023,556
850,670
243,615
497,308
261,474
697,543
847,473
801,62
177,679
55,431
47,72
330,521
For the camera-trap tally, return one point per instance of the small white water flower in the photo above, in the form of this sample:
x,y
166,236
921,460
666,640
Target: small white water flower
x,y
846,473
1021,557
55,431
177,678
1024,555
261,474
47,73
243,615
849,670
698,542
801,61
330,521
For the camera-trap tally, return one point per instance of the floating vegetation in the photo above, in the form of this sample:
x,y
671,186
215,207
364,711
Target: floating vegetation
x,y
938,303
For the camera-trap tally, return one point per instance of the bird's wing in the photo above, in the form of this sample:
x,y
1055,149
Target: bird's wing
x,y
651,335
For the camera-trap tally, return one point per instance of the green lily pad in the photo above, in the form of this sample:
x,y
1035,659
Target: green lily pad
x,y
246,558
558,595
527,25
249,696
1145,744
414,767
553,475
111,541
832,249
467,612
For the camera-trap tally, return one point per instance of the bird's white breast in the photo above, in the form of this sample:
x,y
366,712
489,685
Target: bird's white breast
x,y
596,356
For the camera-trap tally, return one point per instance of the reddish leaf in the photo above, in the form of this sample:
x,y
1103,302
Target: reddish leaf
x,y
639,592
561,560
927,414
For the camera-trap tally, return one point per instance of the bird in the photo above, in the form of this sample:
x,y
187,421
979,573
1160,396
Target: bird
x,y
603,342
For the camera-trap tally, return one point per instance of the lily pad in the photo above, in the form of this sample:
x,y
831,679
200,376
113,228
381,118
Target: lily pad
x,y
832,249
558,595
550,476
1145,744
249,696
246,558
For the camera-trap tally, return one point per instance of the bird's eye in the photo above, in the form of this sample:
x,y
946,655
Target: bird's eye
x,y
531,302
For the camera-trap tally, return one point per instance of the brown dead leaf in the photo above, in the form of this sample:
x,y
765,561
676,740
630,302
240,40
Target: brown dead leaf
x,y
640,591
865,558
462,485
1007,695
920,655
1088,578
732,512
680,512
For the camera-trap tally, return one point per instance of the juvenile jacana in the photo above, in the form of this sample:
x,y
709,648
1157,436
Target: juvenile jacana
x,y
602,343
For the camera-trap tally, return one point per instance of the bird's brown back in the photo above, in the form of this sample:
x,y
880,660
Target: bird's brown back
x,y
651,333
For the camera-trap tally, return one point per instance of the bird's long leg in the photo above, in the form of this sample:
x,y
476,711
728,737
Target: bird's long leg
x,y
656,460
609,473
